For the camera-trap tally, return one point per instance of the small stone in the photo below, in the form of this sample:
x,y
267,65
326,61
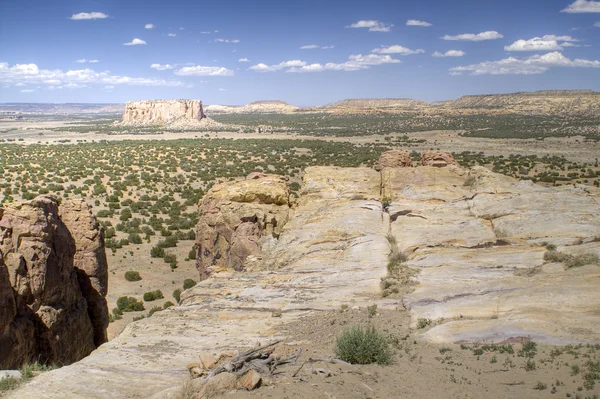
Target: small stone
x,y
250,380
208,360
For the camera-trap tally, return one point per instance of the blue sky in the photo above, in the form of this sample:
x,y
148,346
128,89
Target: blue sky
x,y
234,52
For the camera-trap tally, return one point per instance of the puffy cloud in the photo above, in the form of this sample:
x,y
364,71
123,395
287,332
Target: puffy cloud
x,y
27,91
397,49
88,15
449,53
372,25
83,61
172,34
416,22
354,63
544,43
227,40
243,60
149,26
580,6
475,37
135,42
160,67
530,66
73,78
199,70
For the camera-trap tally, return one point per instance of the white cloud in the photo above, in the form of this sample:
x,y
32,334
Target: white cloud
x,y
222,89
449,53
372,25
160,67
32,74
535,64
243,60
314,46
354,63
205,33
475,37
172,34
135,42
227,40
109,87
544,43
88,15
149,26
416,22
20,84
27,91
580,6
199,70
397,49
83,61
597,24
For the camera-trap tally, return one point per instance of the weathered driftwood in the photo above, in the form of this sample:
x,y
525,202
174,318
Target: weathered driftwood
x,y
260,359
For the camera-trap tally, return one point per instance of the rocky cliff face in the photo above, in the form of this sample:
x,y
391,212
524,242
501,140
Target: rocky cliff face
x,y
476,238
53,279
234,217
159,112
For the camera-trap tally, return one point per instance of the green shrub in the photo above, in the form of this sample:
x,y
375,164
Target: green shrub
x,y
153,295
363,346
154,310
168,304
177,295
157,252
132,276
134,238
129,304
188,283
571,260
192,254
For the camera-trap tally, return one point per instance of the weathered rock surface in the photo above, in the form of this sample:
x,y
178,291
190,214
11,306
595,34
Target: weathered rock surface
x,y
160,112
233,218
394,159
477,282
46,316
437,159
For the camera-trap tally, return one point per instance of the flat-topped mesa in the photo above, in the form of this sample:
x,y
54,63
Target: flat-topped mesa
x,y
162,112
53,282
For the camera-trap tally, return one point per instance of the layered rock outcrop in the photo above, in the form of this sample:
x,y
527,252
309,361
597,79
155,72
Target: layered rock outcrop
x,y
161,112
234,217
437,159
53,279
394,159
478,249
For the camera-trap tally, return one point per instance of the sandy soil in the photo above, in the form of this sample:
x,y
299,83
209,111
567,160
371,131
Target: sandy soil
x,y
419,370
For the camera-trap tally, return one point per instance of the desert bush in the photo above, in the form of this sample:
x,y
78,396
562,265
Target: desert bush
x,y
188,283
571,261
129,304
132,275
153,295
157,252
359,345
192,253
134,238
154,310
168,304
177,295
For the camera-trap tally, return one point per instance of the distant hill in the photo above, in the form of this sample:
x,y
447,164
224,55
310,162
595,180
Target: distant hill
x,y
256,107
362,103
67,108
548,102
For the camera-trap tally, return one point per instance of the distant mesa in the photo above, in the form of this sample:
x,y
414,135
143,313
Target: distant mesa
x,y
256,107
378,103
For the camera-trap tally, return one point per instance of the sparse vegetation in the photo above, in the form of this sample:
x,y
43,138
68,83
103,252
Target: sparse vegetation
x,y
188,283
129,304
359,345
132,276
153,295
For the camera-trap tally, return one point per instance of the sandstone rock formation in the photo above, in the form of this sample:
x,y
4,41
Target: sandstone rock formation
x,y
478,248
437,159
233,218
394,159
49,257
160,112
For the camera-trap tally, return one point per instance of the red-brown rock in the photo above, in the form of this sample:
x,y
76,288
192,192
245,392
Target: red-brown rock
x,y
394,159
437,159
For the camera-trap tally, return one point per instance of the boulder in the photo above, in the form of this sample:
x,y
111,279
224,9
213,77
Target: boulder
x,y
437,159
394,159
250,380
233,218
45,316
